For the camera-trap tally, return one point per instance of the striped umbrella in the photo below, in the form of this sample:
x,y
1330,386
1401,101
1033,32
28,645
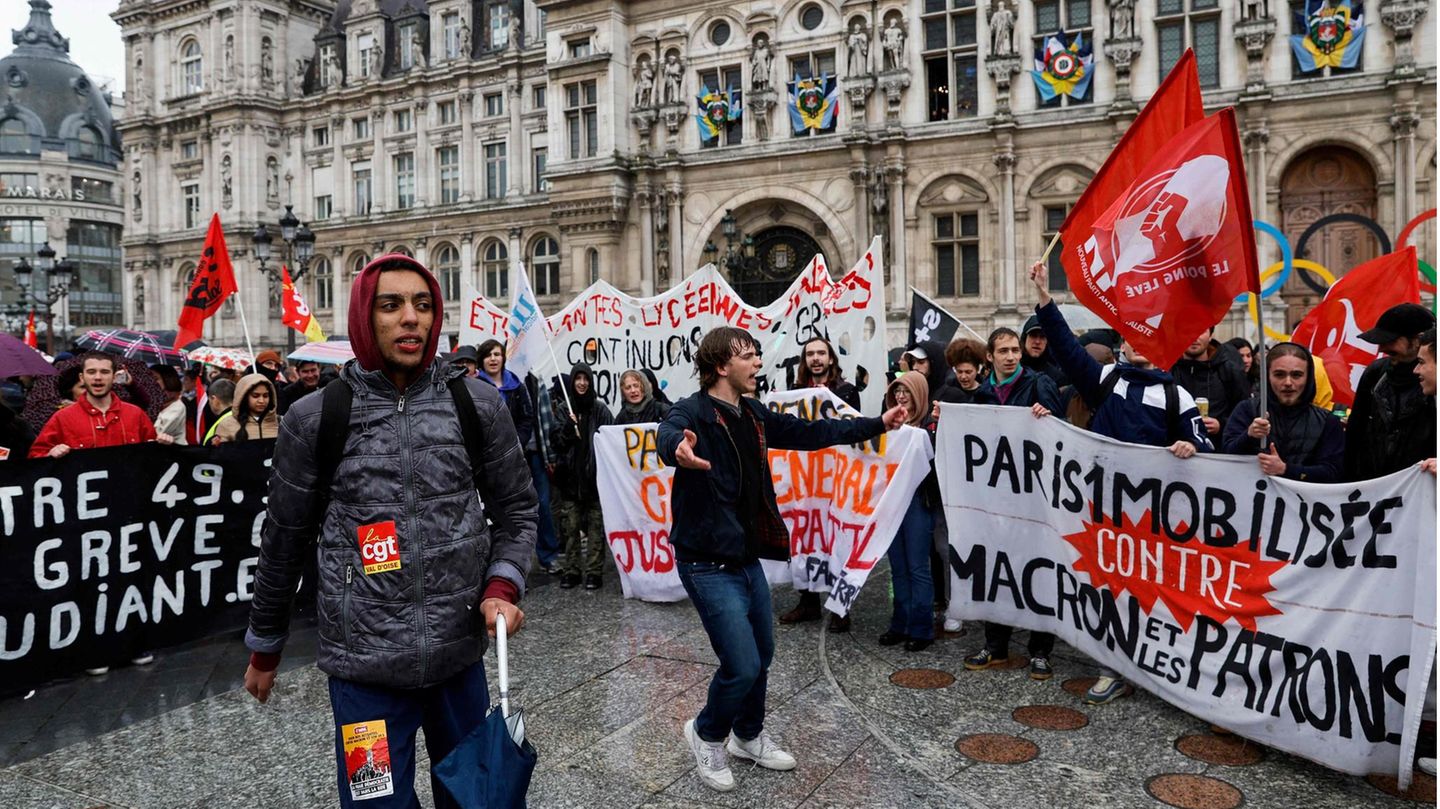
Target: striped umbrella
x,y
330,352
231,359
135,345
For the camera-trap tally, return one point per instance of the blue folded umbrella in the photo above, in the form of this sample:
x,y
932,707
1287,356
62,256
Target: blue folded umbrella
x,y
491,767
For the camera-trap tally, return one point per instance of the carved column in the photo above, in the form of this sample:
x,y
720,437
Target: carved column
x,y
342,201
898,268
515,252
674,195
1402,16
1403,124
467,269
467,145
644,196
379,165
1005,162
424,155
515,170
1255,137
860,181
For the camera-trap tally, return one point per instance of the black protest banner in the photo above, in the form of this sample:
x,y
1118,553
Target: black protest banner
x,y
107,553
929,321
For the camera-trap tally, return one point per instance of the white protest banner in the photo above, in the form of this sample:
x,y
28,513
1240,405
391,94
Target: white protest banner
x,y
613,331
480,320
1300,615
842,504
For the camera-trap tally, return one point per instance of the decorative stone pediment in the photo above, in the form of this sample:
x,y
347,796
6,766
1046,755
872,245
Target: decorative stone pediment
x,y
1062,181
952,190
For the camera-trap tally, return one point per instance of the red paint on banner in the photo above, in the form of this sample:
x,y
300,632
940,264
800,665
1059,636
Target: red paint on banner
x,y
1191,578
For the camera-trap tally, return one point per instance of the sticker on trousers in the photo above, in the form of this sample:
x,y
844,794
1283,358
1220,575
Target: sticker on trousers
x,y
367,759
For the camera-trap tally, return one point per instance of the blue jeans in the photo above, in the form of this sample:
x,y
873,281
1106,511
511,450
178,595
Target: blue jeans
x,y
734,606
547,545
447,712
909,556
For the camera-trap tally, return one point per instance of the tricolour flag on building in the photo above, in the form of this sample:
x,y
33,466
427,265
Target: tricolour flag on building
x,y
293,311
214,282
1332,329
526,330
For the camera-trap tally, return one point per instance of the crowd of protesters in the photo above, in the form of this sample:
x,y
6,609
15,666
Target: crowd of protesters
x,y
1213,399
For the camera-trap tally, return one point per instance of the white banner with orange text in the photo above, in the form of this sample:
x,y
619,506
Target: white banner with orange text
x,y
1300,615
842,505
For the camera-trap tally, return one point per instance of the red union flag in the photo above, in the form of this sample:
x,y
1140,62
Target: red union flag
x,y
1332,330
214,282
293,311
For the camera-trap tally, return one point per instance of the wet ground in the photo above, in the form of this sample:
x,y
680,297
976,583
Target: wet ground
x,y
607,685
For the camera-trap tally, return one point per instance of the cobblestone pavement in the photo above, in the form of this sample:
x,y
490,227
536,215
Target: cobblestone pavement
x,y
607,684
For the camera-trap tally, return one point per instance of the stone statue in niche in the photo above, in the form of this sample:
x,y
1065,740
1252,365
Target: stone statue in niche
x,y
644,83
267,62
662,214
140,79
1002,29
332,60
301,66
272,179
857,45
464,40
226,183
135,195
760,61
893,42
140,299
1122,19
674,77
377,59
879,199
229,57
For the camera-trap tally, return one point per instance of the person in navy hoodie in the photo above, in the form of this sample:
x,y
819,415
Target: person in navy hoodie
x,y
1132,400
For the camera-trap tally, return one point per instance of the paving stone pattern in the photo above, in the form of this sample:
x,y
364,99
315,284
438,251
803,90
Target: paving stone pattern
x,y
607,685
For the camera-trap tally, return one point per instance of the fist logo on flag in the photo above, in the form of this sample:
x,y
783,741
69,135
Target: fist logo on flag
x,y
1166,222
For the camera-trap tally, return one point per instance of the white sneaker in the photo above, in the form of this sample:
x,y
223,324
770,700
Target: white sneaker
x,y
762,750
97,672
1426,765
952,625
710,762
143,660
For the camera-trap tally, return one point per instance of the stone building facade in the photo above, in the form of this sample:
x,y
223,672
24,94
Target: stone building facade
x,y
470,132
59,180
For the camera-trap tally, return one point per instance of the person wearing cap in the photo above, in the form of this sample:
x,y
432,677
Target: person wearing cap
x,y
270,364
1035,352
928,357
1392,422
466,357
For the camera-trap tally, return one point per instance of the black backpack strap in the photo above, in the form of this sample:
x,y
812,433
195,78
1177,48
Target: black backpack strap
x,y
1107,389
469,423
336,400
1172,412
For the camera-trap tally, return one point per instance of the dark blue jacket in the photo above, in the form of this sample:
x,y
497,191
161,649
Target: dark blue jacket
x,y
1309,439
1135,411
707,526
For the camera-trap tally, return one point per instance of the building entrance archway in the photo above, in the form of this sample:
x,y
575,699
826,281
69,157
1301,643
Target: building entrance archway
x,y
1319,182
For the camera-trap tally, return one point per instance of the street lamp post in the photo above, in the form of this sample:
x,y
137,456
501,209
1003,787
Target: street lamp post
x,y
57,277
299,249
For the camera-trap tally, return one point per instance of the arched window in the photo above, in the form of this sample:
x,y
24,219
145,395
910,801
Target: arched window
x,y
402,250
88,144
184,279
14,137
497,279
592,261
447,267
545,266
191,68
324,285
356,265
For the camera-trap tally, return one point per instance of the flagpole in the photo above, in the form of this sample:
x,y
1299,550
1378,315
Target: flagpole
x,y
245,327
1054,240
1264,374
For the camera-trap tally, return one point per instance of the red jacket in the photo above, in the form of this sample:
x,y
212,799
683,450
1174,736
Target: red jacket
x,y
82,426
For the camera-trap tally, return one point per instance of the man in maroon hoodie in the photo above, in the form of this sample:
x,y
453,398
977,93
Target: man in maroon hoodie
x,y
409,575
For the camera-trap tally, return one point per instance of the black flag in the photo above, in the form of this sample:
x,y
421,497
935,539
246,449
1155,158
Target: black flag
x,y
928,321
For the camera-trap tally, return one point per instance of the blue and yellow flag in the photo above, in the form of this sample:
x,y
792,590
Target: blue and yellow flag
x,y
1334,34
716,110
1063,67
813,103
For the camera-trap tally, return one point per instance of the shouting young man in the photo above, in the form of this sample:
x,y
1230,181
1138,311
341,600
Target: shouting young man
x,y
410,576
726,521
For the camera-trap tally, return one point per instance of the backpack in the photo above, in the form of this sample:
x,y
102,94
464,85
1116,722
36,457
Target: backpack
x,y
1172,403
337,397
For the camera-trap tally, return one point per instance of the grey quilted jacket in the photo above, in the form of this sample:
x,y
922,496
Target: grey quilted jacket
x,y
404,460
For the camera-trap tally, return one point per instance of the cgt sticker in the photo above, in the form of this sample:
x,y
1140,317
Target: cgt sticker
x,y
379,547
